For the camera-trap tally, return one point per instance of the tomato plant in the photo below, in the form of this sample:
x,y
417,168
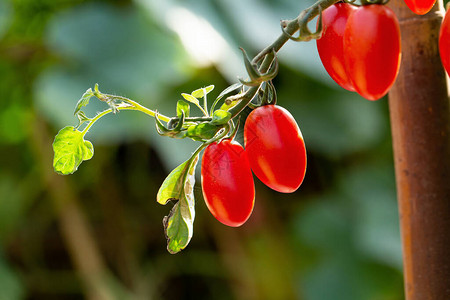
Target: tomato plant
x,y
372,50
360,48
275,148
444,42
330,45
420,7
227,182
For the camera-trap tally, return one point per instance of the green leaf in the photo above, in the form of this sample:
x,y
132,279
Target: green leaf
x,y
183,106
84,100
220,117
70,150
200,93
179,185
172,187
190,98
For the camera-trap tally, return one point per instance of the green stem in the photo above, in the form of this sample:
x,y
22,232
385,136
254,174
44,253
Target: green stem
x,y
291,27
205,102
95,119
205,112
196,119
138,107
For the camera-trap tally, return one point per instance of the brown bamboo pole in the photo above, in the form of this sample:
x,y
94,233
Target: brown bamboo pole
x,y
420,120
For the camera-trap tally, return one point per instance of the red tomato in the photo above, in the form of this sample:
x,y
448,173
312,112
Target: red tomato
x,y
372,50
330,45
444,42
227,182
275,148
420,7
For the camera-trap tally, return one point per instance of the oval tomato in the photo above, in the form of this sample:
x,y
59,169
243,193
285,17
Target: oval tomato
x,y
275,148
372,50
420,7
444,42
227,182
330,45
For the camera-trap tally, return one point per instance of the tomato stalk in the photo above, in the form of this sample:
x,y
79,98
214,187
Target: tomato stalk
x,y
420,121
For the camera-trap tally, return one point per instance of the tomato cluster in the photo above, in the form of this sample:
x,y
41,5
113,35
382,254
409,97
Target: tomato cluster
x,y
274,151
360,47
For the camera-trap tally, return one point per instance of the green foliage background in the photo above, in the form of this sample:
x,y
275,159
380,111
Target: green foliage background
x,y
337,237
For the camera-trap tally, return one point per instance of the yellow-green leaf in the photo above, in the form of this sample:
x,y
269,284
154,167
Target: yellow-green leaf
x,y
183,106
70,150
190,98
200,93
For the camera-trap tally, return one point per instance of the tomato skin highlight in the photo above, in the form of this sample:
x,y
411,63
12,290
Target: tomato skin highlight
x,y
275,148
372,50
331,45
444,42
227,182
420,7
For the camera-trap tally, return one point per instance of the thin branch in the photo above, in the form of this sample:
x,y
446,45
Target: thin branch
x,y
290,28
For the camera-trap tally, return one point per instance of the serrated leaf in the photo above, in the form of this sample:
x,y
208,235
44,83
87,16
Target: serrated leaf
x,y
200,93
84,100
220,117
190,98
178,225
70,150
183,106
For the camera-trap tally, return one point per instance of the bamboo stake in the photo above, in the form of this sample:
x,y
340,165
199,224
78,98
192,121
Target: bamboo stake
x,y
420,120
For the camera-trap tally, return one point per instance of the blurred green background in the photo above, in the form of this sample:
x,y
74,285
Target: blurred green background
x,y
98,234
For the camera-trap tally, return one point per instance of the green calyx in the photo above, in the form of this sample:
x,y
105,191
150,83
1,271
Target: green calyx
x,y
256,76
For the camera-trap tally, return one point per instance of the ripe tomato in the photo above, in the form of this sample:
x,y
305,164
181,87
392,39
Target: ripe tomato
x,y
275,148
330,45
227,182
420,7
372,50
444,42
